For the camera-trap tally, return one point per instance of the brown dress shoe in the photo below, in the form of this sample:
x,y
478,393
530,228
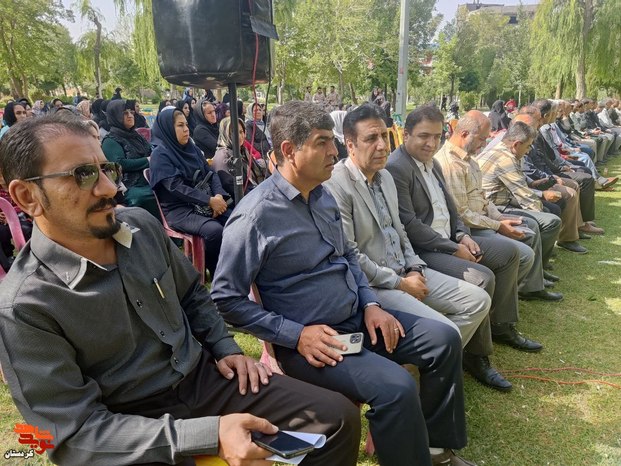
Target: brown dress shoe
x,y
591,229
449,458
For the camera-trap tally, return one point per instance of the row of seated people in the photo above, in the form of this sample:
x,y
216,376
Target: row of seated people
x,y
407,249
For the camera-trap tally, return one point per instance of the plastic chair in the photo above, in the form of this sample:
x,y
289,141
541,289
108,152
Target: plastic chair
x,y
145,133
14,226
193,245
268,357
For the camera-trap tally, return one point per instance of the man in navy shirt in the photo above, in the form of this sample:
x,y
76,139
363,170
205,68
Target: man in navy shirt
x,y
286,236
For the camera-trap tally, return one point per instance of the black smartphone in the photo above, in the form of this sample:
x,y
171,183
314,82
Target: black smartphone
x,y
282,444
477,254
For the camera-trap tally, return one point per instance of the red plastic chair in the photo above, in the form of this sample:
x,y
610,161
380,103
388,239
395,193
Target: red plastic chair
x,y
16,229
193,246
145,133
268,357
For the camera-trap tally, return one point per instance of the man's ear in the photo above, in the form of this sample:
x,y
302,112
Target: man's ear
x,y
288,149
349,143
28,196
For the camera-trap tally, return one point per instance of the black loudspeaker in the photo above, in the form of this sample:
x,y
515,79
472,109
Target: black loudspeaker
x,y
211,43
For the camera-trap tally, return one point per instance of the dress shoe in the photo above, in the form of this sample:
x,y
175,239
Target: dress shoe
x,y
542,295
449,458
548,267
591,229
583,235
572,246
608,182
549,276
480,368
548,283
515,339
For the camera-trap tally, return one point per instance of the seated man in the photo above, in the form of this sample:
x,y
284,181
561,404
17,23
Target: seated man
x,y
286,236
367,199
464,183
440,237
109,341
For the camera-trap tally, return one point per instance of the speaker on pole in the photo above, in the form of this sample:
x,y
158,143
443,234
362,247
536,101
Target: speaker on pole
x,y
212,43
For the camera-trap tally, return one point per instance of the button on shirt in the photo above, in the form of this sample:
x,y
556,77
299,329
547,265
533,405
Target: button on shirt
x,y
296,253
77,337
441,223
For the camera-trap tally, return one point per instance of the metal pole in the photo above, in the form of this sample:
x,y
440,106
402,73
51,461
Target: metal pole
x,y
402,75
239,176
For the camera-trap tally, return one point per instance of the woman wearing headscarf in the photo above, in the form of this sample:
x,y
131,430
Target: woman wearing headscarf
x,y
177,165
185,106
139,120
84,109
253,171
129,149
339,139
37,108
256,130
206,133
222,111
14,112
498,116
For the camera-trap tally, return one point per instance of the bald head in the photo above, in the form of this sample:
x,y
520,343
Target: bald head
x,y
530,120
471,132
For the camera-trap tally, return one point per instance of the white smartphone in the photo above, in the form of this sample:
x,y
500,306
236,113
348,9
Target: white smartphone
x,y
353,341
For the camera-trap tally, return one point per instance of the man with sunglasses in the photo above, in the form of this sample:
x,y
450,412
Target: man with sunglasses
x,y
109,341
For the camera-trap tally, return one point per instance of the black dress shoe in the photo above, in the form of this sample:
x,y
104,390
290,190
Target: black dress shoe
x,y
515,339
548,267
549,276
480,368
548,283
543,295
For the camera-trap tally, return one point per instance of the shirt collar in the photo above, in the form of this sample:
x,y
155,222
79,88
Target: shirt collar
x,y
68,266
359,176
425,167
457,151
288,190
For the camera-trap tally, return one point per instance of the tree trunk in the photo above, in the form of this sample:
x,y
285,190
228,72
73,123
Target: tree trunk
x,y
97,52
354,100
584,36
341,84
559,88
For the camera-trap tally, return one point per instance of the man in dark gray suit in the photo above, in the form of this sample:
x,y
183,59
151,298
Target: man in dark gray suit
x,y
439,236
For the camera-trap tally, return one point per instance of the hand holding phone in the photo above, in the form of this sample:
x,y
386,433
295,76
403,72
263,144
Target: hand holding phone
x,y
282,444
353,341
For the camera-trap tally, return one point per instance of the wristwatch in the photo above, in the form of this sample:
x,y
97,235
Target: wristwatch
x,y
372,303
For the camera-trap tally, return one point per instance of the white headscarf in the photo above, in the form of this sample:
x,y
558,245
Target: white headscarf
x,y
338,116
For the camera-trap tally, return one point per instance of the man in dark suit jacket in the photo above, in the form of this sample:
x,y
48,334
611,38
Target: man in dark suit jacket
x,y
438,234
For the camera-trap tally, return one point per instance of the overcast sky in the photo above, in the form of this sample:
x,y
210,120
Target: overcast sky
x,y
106,7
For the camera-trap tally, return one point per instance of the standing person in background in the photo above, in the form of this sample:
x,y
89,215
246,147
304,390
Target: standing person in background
x,y
117,94
319,98
308,95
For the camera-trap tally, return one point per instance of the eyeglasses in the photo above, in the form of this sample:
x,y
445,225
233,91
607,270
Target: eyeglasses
x,y
86,176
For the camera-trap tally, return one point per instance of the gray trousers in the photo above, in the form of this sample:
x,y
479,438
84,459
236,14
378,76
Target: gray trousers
x,y
497,273
454,302
549,228
530,273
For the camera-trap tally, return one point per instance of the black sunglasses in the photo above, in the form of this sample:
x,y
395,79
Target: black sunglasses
x,y
86,176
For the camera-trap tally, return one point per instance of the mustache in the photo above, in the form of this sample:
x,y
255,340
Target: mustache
x,y
102,204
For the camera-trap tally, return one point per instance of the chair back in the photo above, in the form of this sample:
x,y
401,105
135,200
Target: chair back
x,y
145,133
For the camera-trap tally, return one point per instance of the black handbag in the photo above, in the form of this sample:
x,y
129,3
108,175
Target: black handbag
x,y
203,185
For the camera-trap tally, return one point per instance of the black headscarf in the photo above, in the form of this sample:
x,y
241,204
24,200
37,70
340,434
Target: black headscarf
x,y
170,158
9,113
191,119
498,116
130,140
205,134
139,120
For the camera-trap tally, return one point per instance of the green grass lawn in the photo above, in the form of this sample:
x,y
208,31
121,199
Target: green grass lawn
x,y
539,423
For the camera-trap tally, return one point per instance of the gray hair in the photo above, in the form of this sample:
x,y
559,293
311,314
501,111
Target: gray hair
x,y
294,122
470,123
23,147
519,131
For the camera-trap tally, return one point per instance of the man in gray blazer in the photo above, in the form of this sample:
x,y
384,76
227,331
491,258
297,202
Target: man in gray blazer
x,y
439,235
367,199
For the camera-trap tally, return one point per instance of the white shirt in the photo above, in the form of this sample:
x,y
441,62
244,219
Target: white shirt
x,y
441,223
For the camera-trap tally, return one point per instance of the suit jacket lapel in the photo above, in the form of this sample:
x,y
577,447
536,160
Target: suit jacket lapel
x,y
362,189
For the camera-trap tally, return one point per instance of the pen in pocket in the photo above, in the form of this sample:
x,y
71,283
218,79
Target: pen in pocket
x,y
159,288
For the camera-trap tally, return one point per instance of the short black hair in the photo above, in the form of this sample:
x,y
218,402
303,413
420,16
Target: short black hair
x,y
422,113
295,121
362,113
23,147
544,106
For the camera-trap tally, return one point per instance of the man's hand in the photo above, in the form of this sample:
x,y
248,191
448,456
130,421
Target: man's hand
x,y
559,180
317,346
539,182
374,318
566,169
467,250
247,369
551,196
234,443
414,285
463,253
218,205
506,229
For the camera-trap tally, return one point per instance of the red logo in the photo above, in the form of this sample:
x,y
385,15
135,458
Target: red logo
x,y
37,440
